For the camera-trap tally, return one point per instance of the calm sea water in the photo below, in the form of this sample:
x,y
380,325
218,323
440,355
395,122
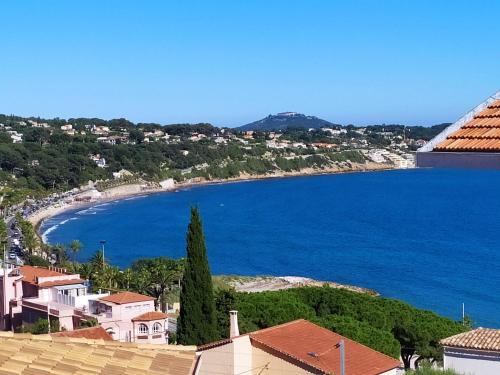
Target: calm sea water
x,y
428,237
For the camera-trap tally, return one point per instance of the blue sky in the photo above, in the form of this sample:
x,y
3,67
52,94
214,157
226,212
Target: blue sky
x,y
231,62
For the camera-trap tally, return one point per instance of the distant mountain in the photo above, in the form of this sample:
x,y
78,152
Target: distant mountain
x,y
285,120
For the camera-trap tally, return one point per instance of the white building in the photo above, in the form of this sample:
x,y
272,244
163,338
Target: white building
x,y
15,136
476,352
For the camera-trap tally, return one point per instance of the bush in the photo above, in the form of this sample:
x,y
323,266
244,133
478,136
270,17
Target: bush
x,y
41,326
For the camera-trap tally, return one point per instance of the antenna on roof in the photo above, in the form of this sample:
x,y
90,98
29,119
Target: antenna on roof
x,y
340,346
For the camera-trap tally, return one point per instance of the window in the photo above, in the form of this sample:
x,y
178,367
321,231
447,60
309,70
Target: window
x,y
143,328
156,328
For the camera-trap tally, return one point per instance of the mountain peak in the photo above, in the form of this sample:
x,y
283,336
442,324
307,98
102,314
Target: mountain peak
x,y
284,120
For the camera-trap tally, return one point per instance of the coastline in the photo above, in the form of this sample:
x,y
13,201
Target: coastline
x,y
257,284
122,192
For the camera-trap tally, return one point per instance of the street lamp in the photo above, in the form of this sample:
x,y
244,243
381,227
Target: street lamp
x,y
102,242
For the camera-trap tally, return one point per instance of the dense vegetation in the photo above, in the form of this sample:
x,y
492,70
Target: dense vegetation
x,y
50,159
387,325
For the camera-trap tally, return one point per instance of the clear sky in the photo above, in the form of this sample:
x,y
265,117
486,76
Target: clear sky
x,y
231,62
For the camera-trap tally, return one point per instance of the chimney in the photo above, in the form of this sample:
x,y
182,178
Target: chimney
x,y
233,324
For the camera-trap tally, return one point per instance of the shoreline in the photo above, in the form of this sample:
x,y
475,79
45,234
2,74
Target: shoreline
x,y
257,284
38,218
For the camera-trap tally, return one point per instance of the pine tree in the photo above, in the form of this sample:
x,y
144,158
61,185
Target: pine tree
x,y
197,323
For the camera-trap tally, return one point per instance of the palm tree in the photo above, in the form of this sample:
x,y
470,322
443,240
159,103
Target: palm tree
x,y
126,277
60,252
75,246
158,275
97,261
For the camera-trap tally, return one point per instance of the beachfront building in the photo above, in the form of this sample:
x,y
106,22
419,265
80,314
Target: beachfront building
x,y
31,293
297,347
471,142
476,352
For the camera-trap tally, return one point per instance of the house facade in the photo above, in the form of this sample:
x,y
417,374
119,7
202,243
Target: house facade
x,y
476,352
131,317
31,293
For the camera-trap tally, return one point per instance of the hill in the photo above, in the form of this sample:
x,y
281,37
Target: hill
x,y
286,120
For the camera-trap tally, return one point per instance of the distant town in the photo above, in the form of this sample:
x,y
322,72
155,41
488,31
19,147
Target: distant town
x,y
187,151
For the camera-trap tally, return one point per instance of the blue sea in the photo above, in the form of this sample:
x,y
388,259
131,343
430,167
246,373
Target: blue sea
x,y
428,237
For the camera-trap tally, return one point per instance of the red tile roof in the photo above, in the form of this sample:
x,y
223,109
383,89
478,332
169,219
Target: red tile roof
x,y
49,284
31,273
478,339
307,344
126,297
93,333
482,133
149,316
314,348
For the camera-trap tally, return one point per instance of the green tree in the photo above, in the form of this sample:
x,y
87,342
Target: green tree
x,y
75,246
136,135
161,273
197,321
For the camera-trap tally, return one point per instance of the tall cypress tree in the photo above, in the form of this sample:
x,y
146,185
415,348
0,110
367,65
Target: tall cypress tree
x,y
197,323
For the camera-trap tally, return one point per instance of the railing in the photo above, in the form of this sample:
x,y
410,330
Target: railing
x,y
156,335
65,299
39,306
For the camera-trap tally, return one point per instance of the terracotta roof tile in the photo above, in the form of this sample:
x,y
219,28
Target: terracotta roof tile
x,y
126,297
94,333
314,346
31,273
480,339
151,315
49,284
481,134
22,354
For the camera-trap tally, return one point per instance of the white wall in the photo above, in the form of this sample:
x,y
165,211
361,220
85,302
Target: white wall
x,y
472,362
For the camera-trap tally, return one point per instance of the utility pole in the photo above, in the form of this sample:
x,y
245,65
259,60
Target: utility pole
x,y
463,313
48,317
102,242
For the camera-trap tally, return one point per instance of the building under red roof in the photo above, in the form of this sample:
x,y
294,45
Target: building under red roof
x,y
472,141
317,347
32,273
306,347
149,316
126,297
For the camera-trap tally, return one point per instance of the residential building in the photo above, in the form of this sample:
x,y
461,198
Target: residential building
x,y
100,130
297,347
15,136
25,354
100,161
475,352
29,293
471,142
122,173
131,317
